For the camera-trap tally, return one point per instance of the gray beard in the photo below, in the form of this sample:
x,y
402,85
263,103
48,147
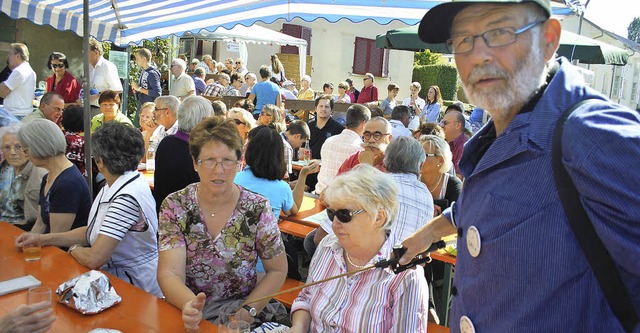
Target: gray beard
x,y
529,76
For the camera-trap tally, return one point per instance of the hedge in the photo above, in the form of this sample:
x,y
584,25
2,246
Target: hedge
x,y
443,76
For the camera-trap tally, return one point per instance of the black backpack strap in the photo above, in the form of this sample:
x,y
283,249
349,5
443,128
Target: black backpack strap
x,y
596,253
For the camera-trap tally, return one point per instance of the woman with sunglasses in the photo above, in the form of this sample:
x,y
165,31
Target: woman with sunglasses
x,y
213,232
62,82
362,203
444,186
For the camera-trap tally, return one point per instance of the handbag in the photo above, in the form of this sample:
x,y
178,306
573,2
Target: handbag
x,y
597,254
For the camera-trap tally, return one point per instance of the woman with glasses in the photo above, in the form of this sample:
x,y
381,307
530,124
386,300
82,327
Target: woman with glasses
x,y
19,181
121,235
174,166
213,232
362,205
64,200
109,102
62,82
431,110
444,186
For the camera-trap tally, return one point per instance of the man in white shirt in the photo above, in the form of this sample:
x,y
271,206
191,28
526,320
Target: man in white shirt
x,y
19,89
103,75
400,118
240,69
166,116
182,85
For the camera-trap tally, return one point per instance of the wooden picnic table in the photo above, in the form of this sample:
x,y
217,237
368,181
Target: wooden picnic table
x,y
295,224
139,311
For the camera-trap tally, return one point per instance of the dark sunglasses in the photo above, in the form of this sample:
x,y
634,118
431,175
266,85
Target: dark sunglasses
x,y
238,121
57,65
237,62
343,215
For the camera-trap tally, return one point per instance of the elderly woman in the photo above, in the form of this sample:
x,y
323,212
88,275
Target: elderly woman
x,y
444,187
431,110
19,181
213,232
342,93
121,236
73,123
271,115
174,167
65,200
62,82
110,107
362,204
244,120
147,124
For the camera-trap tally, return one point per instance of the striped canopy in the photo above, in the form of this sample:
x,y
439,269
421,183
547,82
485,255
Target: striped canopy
x,y
130,21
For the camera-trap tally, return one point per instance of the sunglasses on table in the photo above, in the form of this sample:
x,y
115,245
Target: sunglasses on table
x,y
343,215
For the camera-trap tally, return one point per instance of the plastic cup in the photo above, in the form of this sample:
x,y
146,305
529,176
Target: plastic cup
x,y
38,294
226,316
238,326
32,252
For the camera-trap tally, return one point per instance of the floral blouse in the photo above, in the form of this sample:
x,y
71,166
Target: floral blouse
x,y
223,267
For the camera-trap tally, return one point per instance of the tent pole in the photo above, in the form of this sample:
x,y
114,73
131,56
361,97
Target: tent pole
x,y
86,103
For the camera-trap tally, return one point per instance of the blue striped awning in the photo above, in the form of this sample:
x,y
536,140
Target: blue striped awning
x,y
147,19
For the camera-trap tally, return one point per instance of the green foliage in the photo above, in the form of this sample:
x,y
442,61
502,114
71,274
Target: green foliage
x,y
426,57
634,30
443,76
160,49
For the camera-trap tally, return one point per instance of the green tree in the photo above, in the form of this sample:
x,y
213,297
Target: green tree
x,y
634,30
425,57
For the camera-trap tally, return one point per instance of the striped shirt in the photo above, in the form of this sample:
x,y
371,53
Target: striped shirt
x,y
374,301
415,206
122,215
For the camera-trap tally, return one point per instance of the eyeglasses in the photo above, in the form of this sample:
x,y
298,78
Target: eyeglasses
x,y
238,62
212,164
376,135
264,114
16,148
493,38
431,155
159,109
238,122
343,215
445,123
57,109
57,65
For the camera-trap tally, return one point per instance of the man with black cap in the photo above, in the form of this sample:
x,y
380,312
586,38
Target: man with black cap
x,y
522,263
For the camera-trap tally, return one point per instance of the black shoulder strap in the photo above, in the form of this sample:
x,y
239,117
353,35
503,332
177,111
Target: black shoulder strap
x,y
599,258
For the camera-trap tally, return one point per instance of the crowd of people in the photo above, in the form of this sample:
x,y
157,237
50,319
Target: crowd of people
x,y
393,172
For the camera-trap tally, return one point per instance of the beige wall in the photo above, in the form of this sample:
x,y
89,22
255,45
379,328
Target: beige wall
x,y
605,75
332,48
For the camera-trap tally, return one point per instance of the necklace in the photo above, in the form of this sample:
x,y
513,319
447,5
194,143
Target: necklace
x,y
436,185
213,213
351,262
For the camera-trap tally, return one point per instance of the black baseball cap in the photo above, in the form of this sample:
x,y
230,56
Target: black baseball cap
x,y
435,26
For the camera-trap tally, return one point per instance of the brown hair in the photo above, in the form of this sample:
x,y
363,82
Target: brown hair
x,y
215,129
109,95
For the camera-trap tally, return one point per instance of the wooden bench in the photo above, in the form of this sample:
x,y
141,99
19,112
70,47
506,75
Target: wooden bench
x,y
299,104
435,328
229,101
288,298
295,229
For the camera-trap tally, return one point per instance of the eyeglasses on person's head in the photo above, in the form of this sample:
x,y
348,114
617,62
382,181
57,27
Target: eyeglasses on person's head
x,y
492,38
377,135
211,163
343,215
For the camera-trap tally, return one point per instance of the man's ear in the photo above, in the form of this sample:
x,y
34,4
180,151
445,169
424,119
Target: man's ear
x,y
551,31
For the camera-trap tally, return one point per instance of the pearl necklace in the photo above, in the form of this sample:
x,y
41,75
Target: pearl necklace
x,y
351,262
436,185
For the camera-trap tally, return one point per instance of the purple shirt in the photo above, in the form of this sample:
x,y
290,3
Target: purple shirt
x,y
457,146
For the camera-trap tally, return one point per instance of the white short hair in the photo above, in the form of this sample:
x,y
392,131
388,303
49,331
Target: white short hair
x,y
192,111
179,62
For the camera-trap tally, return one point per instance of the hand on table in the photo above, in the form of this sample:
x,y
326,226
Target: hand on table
x,y
192,313
27,239
28,319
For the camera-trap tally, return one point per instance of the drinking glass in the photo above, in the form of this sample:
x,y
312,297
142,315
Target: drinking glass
x,y
238,326
38,294
32,252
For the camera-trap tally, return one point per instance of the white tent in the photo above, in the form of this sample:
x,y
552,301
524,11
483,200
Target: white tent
x,y
258,35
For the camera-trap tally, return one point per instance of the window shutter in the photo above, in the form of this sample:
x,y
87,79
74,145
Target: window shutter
x,y
296,31
360,56
376,58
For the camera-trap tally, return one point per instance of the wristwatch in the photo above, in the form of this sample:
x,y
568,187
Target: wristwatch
x,y
251,310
